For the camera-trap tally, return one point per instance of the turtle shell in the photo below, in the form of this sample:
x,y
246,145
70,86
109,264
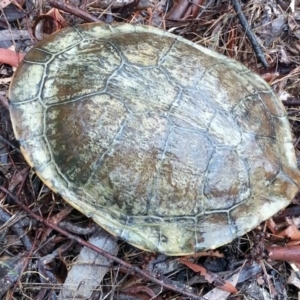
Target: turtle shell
x,y
165,144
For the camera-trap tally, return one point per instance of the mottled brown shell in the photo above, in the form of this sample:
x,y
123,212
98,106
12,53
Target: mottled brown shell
x,y
165,144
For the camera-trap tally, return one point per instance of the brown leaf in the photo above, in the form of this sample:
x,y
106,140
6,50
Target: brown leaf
x,y
211,277
271,225
293,243
294,280
290,232
18,178
4,3
231,42
178,10
56,219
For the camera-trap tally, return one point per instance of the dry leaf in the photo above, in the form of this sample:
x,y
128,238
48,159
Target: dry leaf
x,y
211,277
4,3
271,225
55,219
294,280
291,231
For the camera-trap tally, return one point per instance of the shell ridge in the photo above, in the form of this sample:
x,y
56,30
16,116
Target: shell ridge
x,y
16,104
205,176
55,54
232,225
266,107
164,56
79,33
42,83
35,61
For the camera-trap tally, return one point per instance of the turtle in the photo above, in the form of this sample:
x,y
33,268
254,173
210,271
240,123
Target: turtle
x,y
166,144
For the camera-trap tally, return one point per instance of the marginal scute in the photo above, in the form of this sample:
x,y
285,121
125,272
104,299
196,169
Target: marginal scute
x,y
37,148
281,126
261,170
246,213
165,144
210,228
90,32
282,184
60,41
260,85
229,83
30,76
27,128
275,108
38,56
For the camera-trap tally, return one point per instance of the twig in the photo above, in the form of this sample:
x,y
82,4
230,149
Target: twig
x,y
3,140
17,229
291,103
4,102
100,251
73,10
74,228
250,35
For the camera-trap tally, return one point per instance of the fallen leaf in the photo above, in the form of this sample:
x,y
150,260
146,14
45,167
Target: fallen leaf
x,y
5,80
218,294
4,3
271,225
55,219
211,277
90,267
290,232
294,280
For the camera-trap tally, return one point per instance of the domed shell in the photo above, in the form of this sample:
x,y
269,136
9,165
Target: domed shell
x,y
165,144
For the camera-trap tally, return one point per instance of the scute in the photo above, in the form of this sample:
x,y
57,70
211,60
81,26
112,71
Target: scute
x,y
165,144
